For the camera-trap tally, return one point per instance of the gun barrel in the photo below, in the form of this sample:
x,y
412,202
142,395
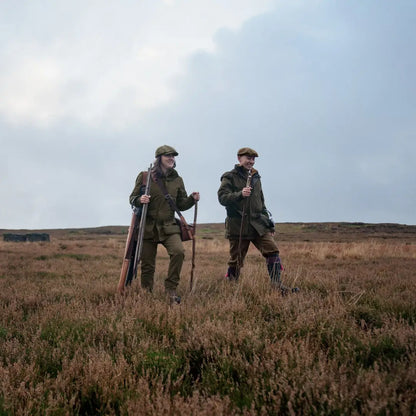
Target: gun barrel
x,y
139,245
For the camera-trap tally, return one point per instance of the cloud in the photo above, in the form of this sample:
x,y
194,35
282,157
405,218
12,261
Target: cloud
x,y
324,91
86,62
325,94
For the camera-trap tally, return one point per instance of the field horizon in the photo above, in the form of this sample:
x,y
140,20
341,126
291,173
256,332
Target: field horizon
x,y
285,231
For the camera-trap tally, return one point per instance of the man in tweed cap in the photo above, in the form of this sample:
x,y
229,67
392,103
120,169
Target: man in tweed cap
x,y
248,220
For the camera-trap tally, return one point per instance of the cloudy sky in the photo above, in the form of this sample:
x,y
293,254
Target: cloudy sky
x,y
325,91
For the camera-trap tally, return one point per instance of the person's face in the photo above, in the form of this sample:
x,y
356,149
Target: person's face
x,y
247,162
168,161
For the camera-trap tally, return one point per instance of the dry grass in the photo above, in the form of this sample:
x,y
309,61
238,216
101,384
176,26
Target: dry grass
x,y
345,345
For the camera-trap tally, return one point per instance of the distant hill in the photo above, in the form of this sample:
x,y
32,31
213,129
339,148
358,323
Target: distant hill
x,y
316,231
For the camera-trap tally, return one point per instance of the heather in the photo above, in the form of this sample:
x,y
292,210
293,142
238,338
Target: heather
x,y
346,344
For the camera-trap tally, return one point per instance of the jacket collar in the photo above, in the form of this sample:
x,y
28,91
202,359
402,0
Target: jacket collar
x,y
170,175
242,171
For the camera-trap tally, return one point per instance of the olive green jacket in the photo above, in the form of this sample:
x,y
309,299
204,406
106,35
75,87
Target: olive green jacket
x,y
160,221
256,217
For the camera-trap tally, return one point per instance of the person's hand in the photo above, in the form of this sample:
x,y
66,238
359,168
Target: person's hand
x,y
195,196
145,199
246,191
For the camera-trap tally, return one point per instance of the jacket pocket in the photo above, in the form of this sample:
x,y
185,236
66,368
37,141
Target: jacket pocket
x,y
170,227
265,221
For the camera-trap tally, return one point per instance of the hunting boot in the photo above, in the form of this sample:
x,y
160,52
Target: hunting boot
x,y
275,268
232,274
174,299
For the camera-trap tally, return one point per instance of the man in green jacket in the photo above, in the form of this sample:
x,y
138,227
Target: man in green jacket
x,y
161,226
248,219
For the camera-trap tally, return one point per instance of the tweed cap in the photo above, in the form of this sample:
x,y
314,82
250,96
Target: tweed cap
x,y
247,152
165,150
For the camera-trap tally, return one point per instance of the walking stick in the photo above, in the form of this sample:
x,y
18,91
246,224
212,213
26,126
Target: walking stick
x,y
191,283
239,260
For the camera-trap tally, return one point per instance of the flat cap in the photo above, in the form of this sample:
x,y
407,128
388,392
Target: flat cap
x,y
247,151
165,150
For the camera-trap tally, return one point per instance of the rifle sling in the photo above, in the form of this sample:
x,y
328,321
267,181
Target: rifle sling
x,y
167,195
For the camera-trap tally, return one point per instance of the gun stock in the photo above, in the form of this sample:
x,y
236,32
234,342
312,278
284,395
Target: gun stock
x,y
128,252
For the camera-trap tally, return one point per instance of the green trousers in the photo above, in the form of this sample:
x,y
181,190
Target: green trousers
x,y
265,244
176,252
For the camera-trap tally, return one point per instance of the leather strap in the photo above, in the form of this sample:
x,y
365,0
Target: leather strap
x,y
167,195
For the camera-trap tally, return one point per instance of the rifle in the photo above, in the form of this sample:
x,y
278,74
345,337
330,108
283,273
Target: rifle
x,y
139,246
134,242
248,183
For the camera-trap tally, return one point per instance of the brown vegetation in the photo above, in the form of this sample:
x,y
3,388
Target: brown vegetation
x,y
345,345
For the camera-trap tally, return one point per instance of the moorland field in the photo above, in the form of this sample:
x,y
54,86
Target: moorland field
x,y
345,345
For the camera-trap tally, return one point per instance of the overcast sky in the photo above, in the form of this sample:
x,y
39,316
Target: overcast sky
x,y
325,91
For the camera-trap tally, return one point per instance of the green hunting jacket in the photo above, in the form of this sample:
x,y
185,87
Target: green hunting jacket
x,y
160,219
256,217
